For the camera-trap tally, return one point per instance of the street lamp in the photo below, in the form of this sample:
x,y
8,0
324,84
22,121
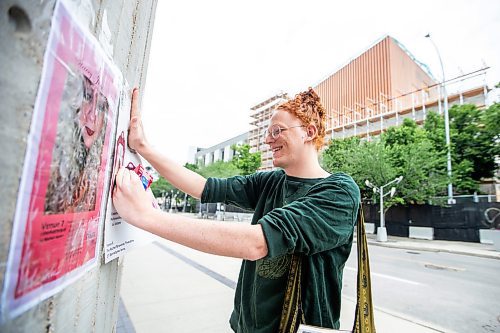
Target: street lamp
x,y
382,231
446,125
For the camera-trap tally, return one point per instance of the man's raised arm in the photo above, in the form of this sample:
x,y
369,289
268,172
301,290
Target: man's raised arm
x,y
182,178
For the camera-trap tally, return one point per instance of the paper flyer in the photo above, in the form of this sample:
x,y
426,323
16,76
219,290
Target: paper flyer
x,y
119,236
60,206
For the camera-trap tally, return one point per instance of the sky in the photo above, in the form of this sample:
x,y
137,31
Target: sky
x,y
211,61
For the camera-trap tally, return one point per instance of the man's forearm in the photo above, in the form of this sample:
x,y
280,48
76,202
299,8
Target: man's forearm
x,y
237,240
182,178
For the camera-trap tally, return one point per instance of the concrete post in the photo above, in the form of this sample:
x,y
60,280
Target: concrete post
x,y
91,303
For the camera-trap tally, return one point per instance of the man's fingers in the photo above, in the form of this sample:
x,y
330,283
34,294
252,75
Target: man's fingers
x,y
127,179
134,110
114,191
119,177
128,176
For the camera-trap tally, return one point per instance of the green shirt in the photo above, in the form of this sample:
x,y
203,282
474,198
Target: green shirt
x,y
311,217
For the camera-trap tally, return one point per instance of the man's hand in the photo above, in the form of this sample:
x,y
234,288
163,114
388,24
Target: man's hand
x,y
136,138
132,203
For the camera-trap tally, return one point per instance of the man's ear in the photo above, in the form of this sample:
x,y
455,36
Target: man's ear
x,y
312,132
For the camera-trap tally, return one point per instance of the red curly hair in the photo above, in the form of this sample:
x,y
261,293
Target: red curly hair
x,y
307,107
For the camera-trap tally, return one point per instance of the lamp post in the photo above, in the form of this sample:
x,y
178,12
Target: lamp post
x,y
446,125
382,231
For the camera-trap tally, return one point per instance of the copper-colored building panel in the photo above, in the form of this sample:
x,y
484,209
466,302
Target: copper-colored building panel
x,y
371,81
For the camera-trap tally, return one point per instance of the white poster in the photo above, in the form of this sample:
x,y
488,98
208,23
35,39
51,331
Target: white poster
x,y
119,236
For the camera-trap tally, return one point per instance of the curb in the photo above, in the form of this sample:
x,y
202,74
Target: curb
x,y
494,255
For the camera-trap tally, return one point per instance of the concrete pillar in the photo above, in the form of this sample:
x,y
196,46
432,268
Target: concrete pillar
x,y
91,303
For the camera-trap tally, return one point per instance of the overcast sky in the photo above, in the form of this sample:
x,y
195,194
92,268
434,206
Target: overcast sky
x,y
211,61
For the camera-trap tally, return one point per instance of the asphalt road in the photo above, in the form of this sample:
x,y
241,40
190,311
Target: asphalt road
x,y
444,291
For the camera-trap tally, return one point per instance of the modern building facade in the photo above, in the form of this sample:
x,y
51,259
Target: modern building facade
x,y
374,91
385,84
219,152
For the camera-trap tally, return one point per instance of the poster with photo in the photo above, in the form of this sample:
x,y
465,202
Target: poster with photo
x,y
119,236
60,206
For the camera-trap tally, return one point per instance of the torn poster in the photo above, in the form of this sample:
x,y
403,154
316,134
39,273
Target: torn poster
x,y
60,207
119,236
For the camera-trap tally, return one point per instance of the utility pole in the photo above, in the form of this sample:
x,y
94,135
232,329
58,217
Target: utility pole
x,y
446,125
382,231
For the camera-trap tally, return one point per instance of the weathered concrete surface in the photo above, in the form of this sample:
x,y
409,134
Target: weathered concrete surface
x,y
91,303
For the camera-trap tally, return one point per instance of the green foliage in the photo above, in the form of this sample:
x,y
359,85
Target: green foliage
x,y
219,169
402,151
491,120
160,186
361,160
419,155
340,155
413,156
244,160
434,130
192,167
474,138
470,141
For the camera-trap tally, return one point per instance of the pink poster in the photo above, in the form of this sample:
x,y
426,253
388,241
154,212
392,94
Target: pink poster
x,y
60,206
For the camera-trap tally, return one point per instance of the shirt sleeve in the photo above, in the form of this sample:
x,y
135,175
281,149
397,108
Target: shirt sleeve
x,y
321,220
241,191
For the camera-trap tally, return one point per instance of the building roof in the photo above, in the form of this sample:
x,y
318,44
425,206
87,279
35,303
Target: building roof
x,y
424,67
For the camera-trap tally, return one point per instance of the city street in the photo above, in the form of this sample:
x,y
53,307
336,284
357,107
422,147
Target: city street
x,y
445,291
170,288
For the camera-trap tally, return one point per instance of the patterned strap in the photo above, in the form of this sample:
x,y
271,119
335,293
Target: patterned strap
x,y
363,320
292,304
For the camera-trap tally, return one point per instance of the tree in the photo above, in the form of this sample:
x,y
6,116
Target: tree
x,y
219,169
401,151
471,142
474,143
414,157
161,186
491,118
192,167
360,160
244,160
339,156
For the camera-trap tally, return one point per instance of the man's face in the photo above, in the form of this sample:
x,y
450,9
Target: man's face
x,y
285,138
92,112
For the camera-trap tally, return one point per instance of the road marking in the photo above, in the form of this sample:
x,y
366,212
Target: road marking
x,y
424,263
442,267
389,277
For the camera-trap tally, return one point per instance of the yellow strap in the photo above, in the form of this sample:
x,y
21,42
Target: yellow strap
x,y
363,318
291,305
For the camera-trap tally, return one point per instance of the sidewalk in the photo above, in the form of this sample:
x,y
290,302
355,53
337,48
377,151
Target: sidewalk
x,y
170,288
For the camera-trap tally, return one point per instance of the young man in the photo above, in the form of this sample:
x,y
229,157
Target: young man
x,y
299,209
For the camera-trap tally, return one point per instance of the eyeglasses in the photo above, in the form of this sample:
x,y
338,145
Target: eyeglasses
x,y
275,130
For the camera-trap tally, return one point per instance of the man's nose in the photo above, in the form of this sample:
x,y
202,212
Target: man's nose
x,y
268,138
